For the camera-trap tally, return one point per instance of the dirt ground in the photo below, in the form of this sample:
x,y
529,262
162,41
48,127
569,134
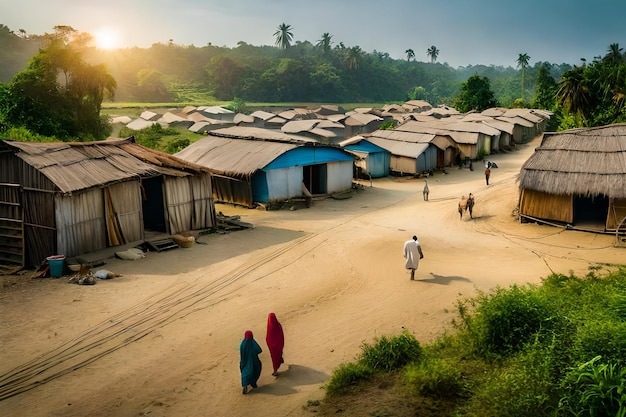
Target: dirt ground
x,y
162,339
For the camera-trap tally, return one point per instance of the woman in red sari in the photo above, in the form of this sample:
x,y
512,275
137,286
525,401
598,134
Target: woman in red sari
x,y
275,339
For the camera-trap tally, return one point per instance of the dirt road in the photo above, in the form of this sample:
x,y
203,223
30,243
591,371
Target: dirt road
x,y
162,339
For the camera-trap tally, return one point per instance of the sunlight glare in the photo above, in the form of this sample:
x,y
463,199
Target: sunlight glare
x,y
107,38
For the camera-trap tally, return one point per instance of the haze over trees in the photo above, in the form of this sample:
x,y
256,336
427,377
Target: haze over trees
x,y
329,72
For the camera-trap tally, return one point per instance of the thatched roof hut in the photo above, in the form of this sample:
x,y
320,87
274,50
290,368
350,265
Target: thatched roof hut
x,y
577,177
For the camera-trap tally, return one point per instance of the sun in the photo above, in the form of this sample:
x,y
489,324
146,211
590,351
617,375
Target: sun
x,y
107,38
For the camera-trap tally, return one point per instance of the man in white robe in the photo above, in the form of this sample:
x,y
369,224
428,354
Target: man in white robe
x,y
412,254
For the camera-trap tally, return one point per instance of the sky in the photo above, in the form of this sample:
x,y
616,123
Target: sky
x,y
466,32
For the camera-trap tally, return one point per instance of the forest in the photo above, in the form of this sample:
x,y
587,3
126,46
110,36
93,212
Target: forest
x,y
323,71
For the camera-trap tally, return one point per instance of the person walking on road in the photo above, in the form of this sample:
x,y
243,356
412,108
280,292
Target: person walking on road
x,y
275,339
249,362
412,254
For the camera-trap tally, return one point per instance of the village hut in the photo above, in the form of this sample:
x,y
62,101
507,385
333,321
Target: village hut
x,y
577,177
450,143
268,166
370,160
417,106
328,109
324,131
76,198
410,153
360,123
217,112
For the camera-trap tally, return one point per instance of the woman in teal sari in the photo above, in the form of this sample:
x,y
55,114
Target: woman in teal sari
x,y
249,362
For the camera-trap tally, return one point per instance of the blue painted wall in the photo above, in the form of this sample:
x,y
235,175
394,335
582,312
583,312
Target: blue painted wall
x,y
308,155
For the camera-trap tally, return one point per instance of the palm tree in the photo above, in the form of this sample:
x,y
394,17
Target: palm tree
x,y
614,55
353,57
410,54
522,61
283,36
325,42
573,94
433,53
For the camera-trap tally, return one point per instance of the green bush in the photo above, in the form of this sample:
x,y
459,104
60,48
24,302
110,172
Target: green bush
x,y
345,376
594,389
503,321
391,353
435,378
606,338
522,386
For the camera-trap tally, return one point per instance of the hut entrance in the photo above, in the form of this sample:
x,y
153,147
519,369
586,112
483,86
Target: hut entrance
x,y
591,211
152,205
314,177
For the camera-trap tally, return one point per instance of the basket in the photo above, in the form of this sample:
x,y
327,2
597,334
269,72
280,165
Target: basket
x,y
184,241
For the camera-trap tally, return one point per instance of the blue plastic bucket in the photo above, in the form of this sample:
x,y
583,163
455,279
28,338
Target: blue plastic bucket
x,y
56,265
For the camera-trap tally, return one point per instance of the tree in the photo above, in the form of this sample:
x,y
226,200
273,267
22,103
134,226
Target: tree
x,y
223,76
150,86
522,61
410,54
475,94
433,53
325,43
353,57
283,36
614,55
545,88
573,93
59,94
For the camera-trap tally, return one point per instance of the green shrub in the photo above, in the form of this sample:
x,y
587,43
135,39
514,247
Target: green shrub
x,y
594,389
521,387
347,375
391,353
606,338
504,320
435,378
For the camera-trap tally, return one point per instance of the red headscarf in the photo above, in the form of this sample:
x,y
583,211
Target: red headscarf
x,y
248,334
275,339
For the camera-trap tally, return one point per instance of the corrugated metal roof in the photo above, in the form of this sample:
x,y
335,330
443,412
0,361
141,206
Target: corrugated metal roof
x,y
460,126
243,118
257,133
517,121
500,125
296,126
234,156
215,110
361,119
260,114
74,166
525,114
397,135
494,111
408,149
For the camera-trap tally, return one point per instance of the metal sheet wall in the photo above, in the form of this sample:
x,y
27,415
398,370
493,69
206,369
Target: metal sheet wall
x,y
339,176
124,214
81,222
284,183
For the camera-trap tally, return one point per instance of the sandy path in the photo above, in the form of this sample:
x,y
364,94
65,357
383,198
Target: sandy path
x,y
162,340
